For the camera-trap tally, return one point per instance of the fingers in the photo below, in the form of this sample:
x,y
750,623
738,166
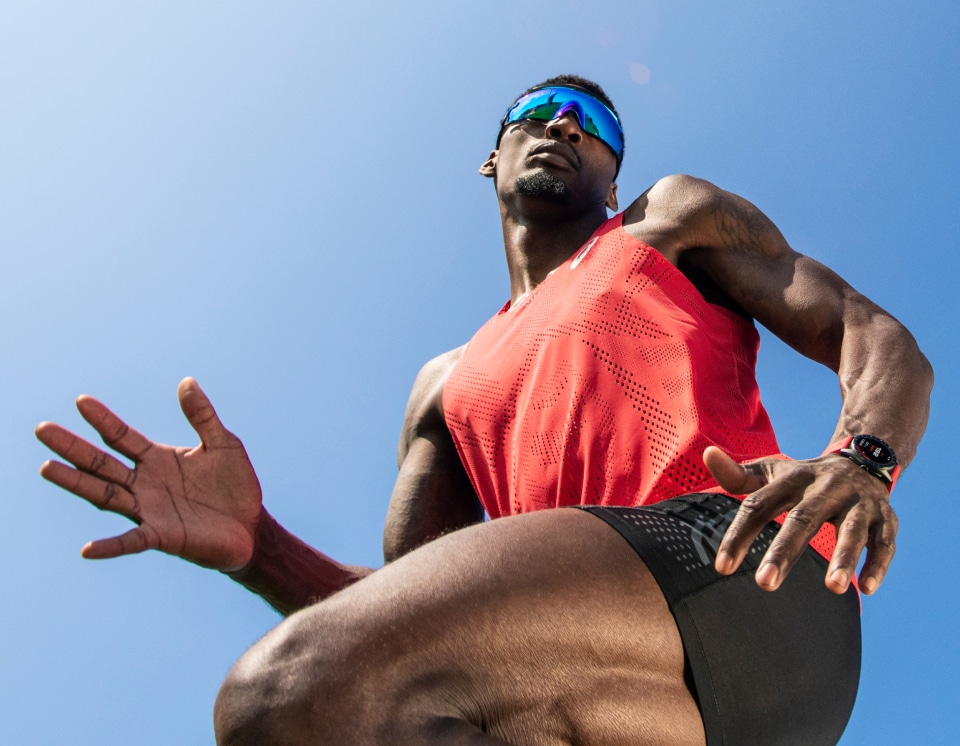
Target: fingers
x,y
866,521
799,527
852,535
200,413
731,476
881,546
114,431
755,512
875,530
99,492
771,496
83,455
133,541
814,492
99,478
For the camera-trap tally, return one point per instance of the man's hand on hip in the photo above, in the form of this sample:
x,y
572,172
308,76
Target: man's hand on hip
x,y
827,489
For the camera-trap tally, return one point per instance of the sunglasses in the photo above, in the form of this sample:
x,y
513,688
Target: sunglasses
x,y
547,104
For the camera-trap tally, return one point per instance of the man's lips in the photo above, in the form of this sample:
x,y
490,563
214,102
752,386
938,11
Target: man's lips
x,y
559,153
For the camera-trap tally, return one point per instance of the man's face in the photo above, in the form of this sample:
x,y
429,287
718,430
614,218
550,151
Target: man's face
x,y
553,163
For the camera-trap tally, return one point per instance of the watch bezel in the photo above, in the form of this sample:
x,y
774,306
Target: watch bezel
x,y
862,442
852,448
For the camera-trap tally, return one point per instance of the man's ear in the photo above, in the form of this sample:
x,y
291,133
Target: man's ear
x,y
611,197
489,167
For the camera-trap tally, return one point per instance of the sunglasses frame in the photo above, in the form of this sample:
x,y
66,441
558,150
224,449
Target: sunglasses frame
x,y
574,102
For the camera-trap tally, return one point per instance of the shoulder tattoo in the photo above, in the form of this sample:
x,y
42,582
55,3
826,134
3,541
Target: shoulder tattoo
x,y
740,225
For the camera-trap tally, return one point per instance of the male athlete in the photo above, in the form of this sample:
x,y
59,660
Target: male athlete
x,y
671,608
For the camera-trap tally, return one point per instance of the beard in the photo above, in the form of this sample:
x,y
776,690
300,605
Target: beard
x,y
543,185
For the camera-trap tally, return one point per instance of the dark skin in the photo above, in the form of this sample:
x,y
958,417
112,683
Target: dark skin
x,y
543,629
737,258
204,504
732,253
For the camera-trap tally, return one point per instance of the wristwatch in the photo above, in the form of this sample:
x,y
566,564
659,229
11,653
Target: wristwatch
x,y
871,454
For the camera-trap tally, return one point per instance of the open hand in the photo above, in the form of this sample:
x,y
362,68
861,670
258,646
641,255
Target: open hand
x,y
827,489
201,504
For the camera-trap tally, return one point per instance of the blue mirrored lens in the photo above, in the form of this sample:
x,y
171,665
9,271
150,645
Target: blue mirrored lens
x,y
546,104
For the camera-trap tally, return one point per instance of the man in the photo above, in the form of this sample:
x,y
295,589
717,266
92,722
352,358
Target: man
x,y
624,355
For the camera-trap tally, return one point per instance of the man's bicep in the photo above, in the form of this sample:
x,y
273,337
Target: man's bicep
x,y
432,496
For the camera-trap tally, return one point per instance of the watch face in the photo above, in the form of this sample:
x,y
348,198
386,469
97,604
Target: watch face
x,y
874,450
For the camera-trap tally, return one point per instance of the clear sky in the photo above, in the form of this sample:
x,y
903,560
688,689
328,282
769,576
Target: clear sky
x,y
282,200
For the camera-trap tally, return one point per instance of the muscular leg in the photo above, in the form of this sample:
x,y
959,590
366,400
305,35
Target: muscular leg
x,y
544,628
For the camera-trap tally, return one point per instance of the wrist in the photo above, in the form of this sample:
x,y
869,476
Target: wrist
x,y
263,534
288,573
871,454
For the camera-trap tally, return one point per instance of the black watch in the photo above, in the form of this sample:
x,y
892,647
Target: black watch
x,y
870,454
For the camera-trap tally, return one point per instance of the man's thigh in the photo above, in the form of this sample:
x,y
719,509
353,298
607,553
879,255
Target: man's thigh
x,y
545,628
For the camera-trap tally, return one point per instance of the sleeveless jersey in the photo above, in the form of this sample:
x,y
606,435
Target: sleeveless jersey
x,y
604,386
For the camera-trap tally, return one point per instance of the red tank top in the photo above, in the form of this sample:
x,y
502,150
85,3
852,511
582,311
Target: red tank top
x,y
604,386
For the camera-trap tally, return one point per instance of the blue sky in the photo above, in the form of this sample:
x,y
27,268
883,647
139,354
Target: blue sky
x,y
282,201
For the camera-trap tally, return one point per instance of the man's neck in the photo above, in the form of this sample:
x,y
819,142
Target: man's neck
x,y
536,246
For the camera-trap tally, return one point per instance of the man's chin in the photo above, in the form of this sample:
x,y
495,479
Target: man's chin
x,y
543,185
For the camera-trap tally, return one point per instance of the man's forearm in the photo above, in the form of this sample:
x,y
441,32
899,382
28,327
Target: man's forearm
x,y
290,574
885,381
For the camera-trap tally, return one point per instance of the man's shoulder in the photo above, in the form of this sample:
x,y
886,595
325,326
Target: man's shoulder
x,y
678,192
424,414
426,397
441,365
669,214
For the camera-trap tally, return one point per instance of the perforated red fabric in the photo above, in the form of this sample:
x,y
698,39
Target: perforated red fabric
x,y
604,386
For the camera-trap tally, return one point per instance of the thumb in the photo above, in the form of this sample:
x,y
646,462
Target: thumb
x,y
200,413
730,475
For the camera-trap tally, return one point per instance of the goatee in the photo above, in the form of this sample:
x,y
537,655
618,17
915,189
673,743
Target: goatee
x,y
543,185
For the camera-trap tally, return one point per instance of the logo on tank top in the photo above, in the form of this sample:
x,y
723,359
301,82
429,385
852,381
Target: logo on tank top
x,y
583,252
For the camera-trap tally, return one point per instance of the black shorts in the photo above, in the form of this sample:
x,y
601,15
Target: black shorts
x,y
766,668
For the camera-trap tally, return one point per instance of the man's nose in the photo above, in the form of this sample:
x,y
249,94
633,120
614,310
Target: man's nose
x,y
565,127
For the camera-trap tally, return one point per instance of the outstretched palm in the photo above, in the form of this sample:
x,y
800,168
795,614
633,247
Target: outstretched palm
x,y
199,503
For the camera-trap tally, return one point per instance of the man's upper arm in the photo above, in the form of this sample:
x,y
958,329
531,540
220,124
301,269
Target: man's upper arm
x,y
800,300
432,495
816,312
